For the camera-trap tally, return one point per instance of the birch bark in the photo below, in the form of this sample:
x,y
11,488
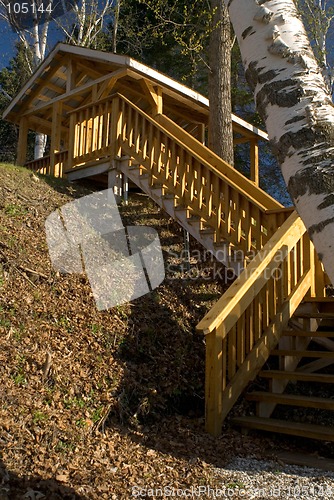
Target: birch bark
x,y
292,97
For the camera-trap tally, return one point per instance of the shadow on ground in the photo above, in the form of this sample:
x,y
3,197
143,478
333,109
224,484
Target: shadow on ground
x,y
13,487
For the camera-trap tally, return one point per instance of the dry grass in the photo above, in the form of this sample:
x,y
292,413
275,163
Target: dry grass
x,y
93,403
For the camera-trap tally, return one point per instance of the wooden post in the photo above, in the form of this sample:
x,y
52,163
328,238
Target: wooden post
x,y
319,275
213,384
71,70
55,139
201,133
22,142
116,122
154,96
115,181
72,145
254,160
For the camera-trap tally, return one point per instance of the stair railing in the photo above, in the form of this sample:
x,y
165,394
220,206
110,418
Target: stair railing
x,y
221,197
43,165
246,323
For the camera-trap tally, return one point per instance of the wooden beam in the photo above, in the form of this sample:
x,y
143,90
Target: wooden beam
x,y
213,384
55,138
22,142
108,85
71,69
69,95
45,123
55,88
60,74
89,70
254,161
43,97
153,94
240,140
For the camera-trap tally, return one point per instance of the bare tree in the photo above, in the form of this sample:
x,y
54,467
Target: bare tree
x,y
81,26
318,18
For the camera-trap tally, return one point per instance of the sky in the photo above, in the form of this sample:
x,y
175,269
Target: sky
x,y
8,39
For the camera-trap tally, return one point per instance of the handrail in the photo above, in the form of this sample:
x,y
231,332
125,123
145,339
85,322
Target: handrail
x,y
218,165
203,183
246,323
42,165
228,309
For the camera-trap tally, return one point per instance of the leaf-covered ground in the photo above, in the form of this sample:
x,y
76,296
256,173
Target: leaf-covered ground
x,y
94,403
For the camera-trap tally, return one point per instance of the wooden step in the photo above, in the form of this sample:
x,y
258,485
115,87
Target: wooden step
x,y
303,377
207,231
310,431
180,208
303,354
157,185
291,400
318,300
304,460
307,333
315,315
168,196
195,219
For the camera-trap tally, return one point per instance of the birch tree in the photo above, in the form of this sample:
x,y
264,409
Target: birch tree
x,y
292,97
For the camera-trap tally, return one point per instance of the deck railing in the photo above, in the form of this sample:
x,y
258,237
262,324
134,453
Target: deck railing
x,y
43,165
233,206
246,323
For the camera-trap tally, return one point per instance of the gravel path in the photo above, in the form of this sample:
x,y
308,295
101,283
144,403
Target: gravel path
x,y
263,480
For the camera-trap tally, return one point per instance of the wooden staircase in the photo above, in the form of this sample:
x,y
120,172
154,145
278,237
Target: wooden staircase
x,y
298,374
270,313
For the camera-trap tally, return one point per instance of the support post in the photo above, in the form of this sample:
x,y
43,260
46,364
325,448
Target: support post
x,y
201,133
72,141
213,384
254,160
55,169
115,181
186,249
22,142
125,189
319,276
116,123
71,69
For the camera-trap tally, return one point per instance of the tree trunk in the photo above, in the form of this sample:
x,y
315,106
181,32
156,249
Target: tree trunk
x,y
220,121
291,96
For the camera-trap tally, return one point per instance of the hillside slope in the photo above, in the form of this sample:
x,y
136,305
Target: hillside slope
x,y
95,402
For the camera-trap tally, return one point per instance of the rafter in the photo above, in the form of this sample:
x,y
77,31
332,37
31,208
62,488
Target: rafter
x,y
69,95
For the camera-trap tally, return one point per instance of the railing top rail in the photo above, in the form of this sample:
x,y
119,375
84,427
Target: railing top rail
x,y
46,157
95,103
214,162
240,294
